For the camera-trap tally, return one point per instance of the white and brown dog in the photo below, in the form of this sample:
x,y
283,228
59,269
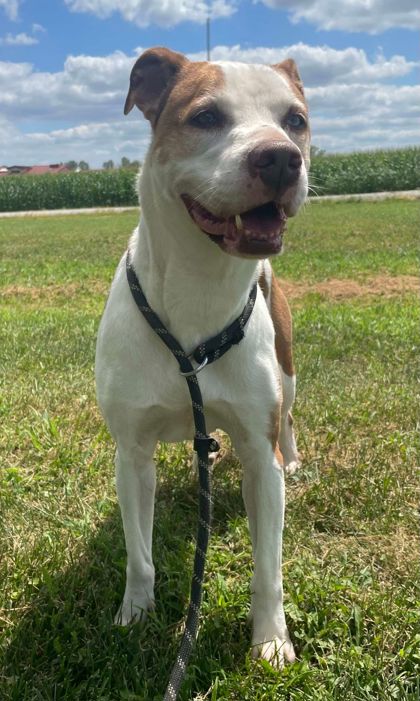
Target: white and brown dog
x,y
227,165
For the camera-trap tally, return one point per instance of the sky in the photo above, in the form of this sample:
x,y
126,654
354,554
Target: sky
x,y
65,66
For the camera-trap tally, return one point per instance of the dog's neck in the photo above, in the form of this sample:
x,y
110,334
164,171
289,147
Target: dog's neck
x,y
195,288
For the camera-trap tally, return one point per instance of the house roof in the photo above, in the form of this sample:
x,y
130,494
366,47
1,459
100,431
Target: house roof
x,y
53,168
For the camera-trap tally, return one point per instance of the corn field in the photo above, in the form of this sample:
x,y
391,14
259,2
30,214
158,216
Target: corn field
x,y
367,171
110,188
374,171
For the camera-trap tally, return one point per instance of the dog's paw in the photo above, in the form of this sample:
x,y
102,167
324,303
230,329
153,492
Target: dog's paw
x,y
270,637
132,611
291,467
276,651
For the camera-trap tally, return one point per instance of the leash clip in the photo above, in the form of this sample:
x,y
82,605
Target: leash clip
x,y
196,370
212,445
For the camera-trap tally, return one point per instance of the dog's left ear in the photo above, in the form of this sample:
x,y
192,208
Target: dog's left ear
x,y
290,68
151,80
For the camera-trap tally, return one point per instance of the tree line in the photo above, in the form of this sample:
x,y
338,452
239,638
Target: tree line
x,y
106,165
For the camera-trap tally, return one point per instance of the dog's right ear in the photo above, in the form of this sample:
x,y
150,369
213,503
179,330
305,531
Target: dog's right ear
x,y
151,80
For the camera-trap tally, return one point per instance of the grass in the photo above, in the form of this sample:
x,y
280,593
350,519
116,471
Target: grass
x,y
351,545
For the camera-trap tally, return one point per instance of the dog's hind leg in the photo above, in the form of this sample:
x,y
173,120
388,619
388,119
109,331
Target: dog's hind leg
x,y
136,482
282,322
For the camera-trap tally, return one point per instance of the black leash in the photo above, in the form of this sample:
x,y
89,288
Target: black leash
x,y
204,354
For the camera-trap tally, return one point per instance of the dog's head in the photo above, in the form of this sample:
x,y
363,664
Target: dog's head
x,y
230,142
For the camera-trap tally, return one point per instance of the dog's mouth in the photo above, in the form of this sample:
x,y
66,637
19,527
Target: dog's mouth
x,y
257,232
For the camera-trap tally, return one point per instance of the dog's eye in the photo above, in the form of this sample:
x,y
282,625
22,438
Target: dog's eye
x,y
207,119
296,121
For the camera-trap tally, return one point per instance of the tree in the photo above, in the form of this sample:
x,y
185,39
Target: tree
x,y
125,162
315,151
108,165
83,165
71,165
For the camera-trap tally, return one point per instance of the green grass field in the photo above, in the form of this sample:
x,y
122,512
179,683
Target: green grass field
x,y
351,548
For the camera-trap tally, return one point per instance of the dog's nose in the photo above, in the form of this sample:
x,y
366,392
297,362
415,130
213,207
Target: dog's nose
x,y
276,163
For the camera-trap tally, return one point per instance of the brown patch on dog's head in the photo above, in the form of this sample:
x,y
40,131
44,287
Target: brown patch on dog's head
x,y
152,77
195,88
169,89
290,68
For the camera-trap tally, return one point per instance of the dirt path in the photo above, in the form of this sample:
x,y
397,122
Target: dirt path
x,y
380,285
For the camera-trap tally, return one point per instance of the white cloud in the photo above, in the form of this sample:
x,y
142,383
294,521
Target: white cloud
x,y
377,100
352,117
320,65
373,16
21,39
11,8
37,28
88,88
165,13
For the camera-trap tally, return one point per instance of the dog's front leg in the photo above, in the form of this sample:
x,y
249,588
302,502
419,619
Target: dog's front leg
x,y
136,482
263,492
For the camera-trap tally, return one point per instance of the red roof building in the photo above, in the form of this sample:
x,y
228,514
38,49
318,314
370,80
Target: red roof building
x,y
41,170
34,170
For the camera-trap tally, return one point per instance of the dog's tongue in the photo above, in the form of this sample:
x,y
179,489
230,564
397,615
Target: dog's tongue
x,y
260,223
263,222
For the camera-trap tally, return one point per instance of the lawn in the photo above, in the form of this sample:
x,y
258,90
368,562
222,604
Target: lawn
x,y
351,546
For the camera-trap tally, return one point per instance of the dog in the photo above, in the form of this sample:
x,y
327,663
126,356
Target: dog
x,y
226,167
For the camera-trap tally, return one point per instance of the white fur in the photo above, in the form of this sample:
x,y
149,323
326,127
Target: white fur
x,y
287,437
197,290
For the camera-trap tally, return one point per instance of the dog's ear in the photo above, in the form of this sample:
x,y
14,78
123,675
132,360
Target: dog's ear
x,y
151,80
290,68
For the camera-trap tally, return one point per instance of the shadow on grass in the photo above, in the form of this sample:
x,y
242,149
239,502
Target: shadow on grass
x,y
65,646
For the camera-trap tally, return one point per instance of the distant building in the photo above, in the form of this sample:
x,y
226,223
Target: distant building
x,y
34,170
18,170
42,170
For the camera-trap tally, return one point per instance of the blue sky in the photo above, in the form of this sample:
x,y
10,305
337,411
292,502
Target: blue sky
x,y
64,68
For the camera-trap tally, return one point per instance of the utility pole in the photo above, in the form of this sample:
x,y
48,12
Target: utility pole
x,y
208,38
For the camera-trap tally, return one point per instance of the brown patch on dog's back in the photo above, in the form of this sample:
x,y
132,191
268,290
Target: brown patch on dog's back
x,y
274,429
282,321
263,283
196,80
279,456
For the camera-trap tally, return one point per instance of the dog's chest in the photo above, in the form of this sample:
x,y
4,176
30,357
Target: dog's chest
x,y
139,381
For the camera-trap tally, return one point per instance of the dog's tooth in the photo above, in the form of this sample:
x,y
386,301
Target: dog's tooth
x,y
238,222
